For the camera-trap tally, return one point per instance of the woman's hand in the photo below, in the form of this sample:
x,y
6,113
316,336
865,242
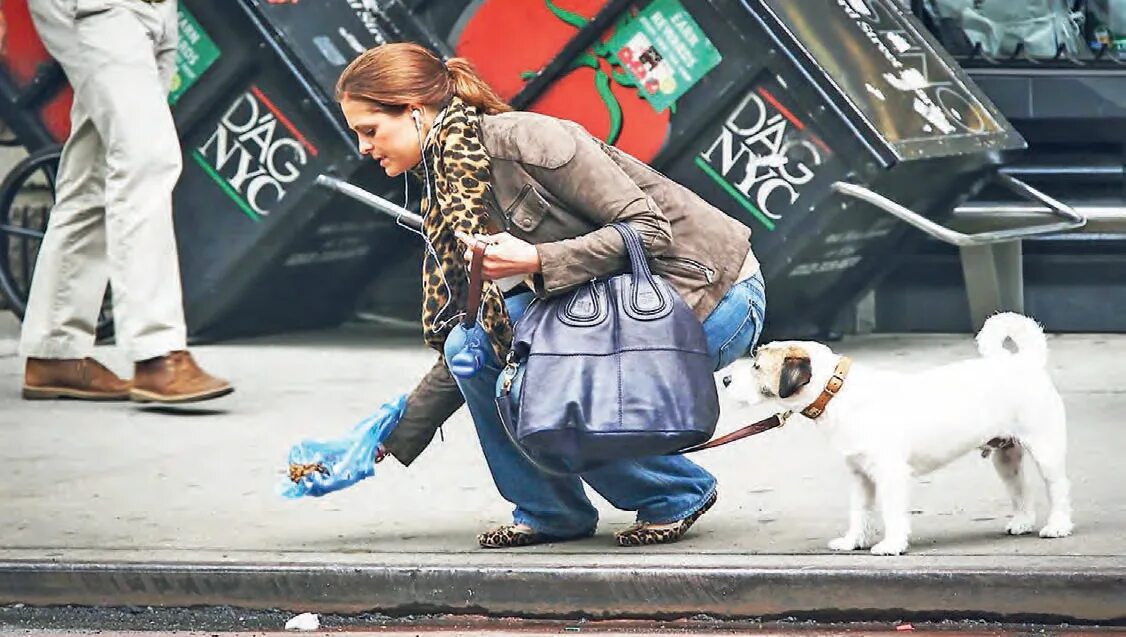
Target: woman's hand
x,y
505,256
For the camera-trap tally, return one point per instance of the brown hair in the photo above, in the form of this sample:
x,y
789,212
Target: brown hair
x,y
390,76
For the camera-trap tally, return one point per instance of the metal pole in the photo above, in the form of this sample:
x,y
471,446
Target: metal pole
x,y
401,214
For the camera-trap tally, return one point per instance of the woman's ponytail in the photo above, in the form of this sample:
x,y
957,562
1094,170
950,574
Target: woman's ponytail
x,y
472,89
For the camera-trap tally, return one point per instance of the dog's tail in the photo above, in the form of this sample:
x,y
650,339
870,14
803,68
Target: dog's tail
x,y
1023,331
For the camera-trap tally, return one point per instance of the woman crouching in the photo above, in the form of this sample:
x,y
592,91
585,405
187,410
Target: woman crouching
x,y
546,191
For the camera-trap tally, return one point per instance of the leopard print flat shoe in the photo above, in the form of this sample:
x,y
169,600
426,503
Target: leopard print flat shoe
x,y
511,536
645,534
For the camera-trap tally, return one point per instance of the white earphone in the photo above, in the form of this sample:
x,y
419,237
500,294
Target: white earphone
x,y
417,116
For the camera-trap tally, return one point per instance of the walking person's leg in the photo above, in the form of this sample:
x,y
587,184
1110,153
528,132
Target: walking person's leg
x,y
71,270
118,80
127,101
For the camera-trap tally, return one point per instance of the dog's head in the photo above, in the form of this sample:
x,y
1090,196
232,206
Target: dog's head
x,y
789,373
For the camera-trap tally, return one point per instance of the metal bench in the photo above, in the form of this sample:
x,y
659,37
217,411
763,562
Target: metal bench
x,y
994,272
989,237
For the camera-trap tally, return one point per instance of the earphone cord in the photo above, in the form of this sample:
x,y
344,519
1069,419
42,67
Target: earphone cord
x,y
430,251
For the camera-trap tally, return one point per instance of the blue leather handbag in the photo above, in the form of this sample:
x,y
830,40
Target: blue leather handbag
x,y
618,368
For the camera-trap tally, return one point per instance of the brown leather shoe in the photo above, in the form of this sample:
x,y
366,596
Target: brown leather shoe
x,y
75,378
175,378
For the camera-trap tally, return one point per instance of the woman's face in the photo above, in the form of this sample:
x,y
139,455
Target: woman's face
x,y
391,140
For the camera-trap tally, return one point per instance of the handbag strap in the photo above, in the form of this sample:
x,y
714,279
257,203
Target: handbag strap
x,y
476,284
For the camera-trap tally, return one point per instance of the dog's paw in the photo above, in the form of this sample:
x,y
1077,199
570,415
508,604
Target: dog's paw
x,y
1020,525
845,543
890,547
1057,528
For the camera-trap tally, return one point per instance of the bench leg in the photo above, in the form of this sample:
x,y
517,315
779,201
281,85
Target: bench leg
x,y
994,279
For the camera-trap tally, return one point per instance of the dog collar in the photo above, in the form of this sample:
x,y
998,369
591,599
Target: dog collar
x,y
833,386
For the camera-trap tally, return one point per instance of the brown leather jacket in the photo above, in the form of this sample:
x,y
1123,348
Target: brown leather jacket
x,y
558,187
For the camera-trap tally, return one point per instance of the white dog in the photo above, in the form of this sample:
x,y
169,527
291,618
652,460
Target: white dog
x,y
890,425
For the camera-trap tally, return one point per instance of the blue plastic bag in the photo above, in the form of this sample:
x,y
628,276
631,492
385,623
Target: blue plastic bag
x,y
319,467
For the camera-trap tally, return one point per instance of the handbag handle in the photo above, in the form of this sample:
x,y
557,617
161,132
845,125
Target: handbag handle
x,y
643,283
634,248
476,284
646,299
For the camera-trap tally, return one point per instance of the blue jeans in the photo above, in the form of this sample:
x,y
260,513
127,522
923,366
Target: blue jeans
x,y
660,489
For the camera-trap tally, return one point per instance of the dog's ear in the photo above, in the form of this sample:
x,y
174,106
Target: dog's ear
x,y
796,373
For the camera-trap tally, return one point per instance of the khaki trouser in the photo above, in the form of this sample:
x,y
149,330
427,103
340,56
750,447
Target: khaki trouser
x,y
113,211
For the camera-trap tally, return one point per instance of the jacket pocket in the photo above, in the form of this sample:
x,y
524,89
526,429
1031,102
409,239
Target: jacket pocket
x,y
528,209
691,265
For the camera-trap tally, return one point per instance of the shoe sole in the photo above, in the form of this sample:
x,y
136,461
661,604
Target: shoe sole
x,y
143,396
63,393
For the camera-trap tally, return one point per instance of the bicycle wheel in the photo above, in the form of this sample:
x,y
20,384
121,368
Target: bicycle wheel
x,y
26,198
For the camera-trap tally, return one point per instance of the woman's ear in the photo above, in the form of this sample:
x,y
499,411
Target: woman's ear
x,y
418,114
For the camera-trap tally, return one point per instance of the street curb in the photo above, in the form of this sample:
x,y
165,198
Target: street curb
x,y
1044,595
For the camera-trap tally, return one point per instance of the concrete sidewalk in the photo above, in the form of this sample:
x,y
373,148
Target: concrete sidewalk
x,y
116,504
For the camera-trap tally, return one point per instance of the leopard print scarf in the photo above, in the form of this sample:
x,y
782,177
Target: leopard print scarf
x,y
460,170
